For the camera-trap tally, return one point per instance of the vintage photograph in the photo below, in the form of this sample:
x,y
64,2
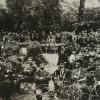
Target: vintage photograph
x,y
49,49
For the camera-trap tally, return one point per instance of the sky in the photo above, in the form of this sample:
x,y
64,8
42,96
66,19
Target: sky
x,y
88,4
91,3
3,3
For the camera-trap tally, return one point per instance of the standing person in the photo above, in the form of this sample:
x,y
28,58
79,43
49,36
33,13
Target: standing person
x,y
51,38
36,36
58,38
33,36
43,39
22,38
51,41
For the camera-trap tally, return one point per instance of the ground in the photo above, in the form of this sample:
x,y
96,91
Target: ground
x,y
52,62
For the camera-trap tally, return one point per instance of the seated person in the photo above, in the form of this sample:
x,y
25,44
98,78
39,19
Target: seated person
x,y
61,76
96,92
28,73
62,73
7,86
29,67
18,69
88,83
91,63
97,71
79,71
89,80
42,78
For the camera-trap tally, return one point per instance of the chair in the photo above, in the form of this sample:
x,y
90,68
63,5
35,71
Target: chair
x,y
28,86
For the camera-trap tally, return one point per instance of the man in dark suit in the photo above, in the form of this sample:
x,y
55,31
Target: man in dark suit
x,y
42,78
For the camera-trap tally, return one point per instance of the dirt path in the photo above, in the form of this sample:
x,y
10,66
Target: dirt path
x,y
52,62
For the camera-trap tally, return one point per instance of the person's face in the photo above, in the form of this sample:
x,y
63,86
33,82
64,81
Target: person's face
x,y
91,60
77,64
61,65
91,73
18,62
97,51
29,60
42,66
50,33
1,62
9,64
97,63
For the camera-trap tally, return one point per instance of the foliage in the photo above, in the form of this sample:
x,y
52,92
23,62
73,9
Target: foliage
x,y
69,11
52,12
15,6
41,12
12,45
34,44
47,15
92,14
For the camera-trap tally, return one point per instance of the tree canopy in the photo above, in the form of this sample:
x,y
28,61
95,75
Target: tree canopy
x,y
47,15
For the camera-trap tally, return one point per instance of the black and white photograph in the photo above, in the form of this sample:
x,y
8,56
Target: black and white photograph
x,y
49,49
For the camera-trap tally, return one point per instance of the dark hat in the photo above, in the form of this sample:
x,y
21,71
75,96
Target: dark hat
x,y
90,56
60,62
10,60
91,69
80,61
1,58
97,58
19,59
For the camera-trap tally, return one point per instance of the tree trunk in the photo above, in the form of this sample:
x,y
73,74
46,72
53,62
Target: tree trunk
x,y
81,10
99,2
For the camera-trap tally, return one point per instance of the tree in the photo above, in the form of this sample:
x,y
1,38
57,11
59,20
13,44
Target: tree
x,y
81,10
35,14
45,13
52,14
15,9
69,13
99,2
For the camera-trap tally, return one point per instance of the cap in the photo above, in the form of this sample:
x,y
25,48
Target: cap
x,y
19,59
91,69
60,62
79,60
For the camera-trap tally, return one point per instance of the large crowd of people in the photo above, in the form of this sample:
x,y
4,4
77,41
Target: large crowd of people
x,y
80,56
79,61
